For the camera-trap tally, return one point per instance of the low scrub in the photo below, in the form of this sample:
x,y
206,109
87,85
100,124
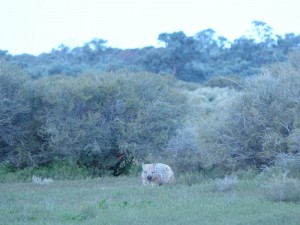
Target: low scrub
x,y
183,151
282,188
287,163
228,183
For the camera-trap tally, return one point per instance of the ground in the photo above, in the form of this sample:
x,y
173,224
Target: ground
x,y
124,200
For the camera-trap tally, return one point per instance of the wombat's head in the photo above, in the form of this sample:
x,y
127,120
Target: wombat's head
x,y
149,172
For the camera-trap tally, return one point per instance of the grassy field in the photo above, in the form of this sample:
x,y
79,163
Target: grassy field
x,y
124,200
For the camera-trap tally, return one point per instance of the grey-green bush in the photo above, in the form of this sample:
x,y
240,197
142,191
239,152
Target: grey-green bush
x,y
14,114
282,188
183,151
187,151
285,164
98,121
104,121
261,122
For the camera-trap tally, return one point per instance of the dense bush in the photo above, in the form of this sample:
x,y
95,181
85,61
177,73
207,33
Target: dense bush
x,y
99,121
14,115
262,122
111,121
183,150
289,163
188,150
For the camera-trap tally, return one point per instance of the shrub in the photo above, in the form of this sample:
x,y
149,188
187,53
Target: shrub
x,y
228,183
41,181
104,121
282,188
187,150
289,163
261,122
100,121
285,163
14,113
183,150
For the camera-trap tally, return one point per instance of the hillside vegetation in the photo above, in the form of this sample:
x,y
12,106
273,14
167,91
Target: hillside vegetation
x,y
96,120
110,122
95,110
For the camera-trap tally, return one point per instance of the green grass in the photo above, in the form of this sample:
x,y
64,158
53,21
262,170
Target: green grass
x,y
124,200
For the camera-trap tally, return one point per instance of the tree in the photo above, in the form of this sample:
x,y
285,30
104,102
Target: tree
x,y
288,43
178,52
4,55
263,33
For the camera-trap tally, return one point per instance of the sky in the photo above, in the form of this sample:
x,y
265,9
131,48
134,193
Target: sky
x,y
36,26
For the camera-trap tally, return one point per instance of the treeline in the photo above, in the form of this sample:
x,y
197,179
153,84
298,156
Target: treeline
x,y
110,121
96,108
191,58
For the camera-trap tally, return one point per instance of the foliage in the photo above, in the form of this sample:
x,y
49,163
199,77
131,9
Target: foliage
x,y
285,164
262,122
289,163
187,151
228,183
116,118
100,121
183,150
14,114
282,188
194,58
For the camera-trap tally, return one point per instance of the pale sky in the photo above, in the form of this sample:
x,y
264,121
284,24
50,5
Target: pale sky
x,y
36,26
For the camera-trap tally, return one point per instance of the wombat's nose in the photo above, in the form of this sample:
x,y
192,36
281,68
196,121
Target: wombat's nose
x,y
149,177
